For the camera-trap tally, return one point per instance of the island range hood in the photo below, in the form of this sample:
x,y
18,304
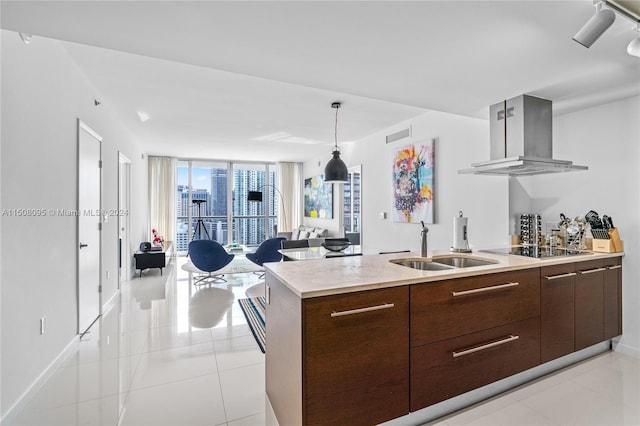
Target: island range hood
x,y
521,140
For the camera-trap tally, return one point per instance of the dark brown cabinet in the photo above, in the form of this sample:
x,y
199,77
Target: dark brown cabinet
x,y
451,367
356,357
581,306
589,304
557,311
613,298
468,332
370,356
451,308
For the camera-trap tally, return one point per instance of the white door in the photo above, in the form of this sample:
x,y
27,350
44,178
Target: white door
x,y
124,199
89,188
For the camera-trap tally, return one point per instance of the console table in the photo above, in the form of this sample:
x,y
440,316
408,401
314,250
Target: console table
x,y
154,258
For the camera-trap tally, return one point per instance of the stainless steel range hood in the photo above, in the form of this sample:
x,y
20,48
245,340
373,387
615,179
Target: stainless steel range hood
x,y
521,140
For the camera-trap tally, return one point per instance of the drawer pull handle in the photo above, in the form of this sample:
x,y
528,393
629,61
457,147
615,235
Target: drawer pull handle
x,y
483,289
591,271
615,267
511,338
555,277
361,310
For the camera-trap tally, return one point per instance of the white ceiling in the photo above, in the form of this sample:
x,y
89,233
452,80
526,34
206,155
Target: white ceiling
x,y
223,79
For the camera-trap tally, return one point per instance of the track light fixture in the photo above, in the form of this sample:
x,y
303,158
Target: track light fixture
x,y
603,19
633,48
596,26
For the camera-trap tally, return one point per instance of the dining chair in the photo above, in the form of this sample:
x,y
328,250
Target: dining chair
x,y
289,244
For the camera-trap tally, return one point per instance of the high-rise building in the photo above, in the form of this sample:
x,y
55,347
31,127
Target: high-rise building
x,y
351,201
219,192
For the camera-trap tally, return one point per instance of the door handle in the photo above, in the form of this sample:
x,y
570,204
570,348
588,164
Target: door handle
x,y
83,245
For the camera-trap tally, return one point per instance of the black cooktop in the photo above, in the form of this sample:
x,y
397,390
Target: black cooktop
x,y
536,251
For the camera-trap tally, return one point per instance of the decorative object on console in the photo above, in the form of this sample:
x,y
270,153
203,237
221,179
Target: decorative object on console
x,y
157,238
318,198
336,171
145,246
413,195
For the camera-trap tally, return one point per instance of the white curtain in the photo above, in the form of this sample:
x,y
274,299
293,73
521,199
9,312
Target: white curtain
x,y
162,190
289,182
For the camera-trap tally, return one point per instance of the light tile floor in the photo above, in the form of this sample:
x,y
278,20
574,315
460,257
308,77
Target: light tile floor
x,y
168,353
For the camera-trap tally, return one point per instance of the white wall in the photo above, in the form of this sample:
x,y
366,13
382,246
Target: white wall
x,y
460,141
607,140
315,168
43,94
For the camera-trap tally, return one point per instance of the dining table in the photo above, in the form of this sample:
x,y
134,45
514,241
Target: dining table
x,y
312,253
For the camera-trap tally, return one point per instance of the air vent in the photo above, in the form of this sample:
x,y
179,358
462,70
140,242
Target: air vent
x,y
406,133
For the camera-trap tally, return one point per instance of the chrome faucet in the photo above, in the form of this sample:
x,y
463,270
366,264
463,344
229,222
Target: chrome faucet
x,y
423,234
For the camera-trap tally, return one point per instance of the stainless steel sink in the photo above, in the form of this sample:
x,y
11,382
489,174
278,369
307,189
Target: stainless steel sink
x,y
422,264
443,263
463,261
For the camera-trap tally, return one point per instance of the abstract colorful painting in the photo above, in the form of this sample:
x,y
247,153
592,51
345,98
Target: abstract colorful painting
x,y
318,198
413,183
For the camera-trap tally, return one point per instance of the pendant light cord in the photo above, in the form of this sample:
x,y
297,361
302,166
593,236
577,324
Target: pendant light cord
x,y
336,105
336,132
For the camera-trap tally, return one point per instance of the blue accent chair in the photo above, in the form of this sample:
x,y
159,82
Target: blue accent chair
x,y
209,256
267,251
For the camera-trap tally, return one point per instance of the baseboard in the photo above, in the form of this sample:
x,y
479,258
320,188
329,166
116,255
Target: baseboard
x,y
51,368
39,382
475,396
626,349
109,304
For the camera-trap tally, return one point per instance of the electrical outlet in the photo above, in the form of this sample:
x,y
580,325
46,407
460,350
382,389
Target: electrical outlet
x,y
42,324
383,215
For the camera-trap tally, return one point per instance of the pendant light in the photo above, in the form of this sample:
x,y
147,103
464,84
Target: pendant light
x,y
336,171
634,47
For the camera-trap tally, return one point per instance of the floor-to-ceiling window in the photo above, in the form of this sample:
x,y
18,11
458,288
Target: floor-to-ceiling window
x,y
211,195
253,221
351,208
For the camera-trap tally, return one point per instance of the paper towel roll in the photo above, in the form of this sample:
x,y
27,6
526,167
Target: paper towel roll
x,y
460,241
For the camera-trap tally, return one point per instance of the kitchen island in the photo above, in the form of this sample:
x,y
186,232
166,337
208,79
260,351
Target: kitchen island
x,y
363,340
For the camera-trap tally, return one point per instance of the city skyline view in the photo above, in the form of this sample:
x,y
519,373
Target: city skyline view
x,y
210,218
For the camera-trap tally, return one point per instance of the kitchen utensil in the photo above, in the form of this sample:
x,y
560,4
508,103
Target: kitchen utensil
x,y
460,241
607,222
594,220
600,234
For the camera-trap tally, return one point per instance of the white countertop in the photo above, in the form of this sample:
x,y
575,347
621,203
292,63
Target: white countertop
x,y
323,277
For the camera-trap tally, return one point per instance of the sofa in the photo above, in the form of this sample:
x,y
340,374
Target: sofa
x,y
315,235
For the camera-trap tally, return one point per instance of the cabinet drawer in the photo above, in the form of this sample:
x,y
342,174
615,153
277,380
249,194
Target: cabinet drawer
x,y
356,368
451,367
442,310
